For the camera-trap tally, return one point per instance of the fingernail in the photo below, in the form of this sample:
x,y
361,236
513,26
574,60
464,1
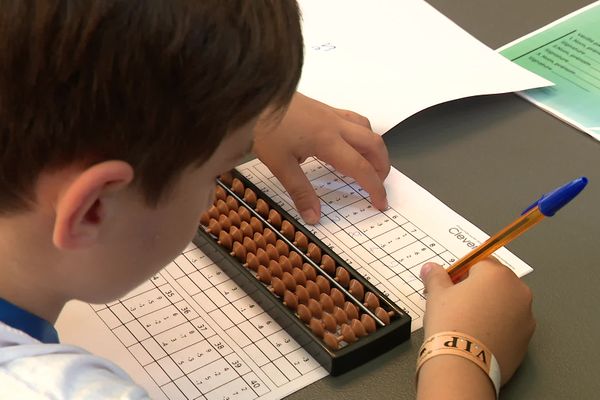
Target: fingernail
x,y
309,216
425,270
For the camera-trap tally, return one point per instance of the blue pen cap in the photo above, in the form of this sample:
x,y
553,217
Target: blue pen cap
x,y
551,202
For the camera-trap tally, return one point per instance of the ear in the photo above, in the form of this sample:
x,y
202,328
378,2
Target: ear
x,y
81,208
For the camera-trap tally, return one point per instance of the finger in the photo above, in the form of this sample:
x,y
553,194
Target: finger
x,y
348,161
353,117
298,186
371,146
435,277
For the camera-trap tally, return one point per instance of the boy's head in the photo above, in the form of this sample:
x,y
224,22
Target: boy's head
x,y
116,115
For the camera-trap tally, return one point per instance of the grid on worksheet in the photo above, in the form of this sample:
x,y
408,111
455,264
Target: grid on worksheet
x,y
199,336
385,247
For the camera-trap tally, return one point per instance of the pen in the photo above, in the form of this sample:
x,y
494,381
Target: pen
x,y
546,206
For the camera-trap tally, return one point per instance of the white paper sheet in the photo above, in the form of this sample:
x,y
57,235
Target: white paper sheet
x,y
389,59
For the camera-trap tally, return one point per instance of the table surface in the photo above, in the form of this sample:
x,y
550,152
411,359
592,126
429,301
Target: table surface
x,y
473,154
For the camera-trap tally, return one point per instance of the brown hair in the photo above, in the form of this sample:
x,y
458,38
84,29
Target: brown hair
x,y
156,83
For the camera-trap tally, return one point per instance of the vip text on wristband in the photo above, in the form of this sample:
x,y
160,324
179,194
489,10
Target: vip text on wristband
x,y
463,345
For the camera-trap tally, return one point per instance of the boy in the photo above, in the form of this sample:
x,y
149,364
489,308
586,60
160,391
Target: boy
x,y
115,117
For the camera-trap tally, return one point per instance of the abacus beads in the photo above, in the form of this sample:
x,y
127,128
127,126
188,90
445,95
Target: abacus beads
x,y
260,238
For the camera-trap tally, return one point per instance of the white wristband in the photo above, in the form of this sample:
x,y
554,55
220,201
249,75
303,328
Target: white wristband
x,y
465,346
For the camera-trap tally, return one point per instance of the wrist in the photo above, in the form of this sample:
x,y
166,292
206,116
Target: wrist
x,y
451,377
455,345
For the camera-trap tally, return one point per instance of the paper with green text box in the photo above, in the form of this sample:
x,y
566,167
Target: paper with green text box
x,y
566,52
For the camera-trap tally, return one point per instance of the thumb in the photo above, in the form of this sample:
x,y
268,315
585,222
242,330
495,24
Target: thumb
x,y
435,277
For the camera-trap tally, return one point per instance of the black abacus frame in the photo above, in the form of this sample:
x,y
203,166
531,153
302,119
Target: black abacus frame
x,y
336,362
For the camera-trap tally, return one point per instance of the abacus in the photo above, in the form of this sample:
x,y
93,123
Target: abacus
x,y
337,315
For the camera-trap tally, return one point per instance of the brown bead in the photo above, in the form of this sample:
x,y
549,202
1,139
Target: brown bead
x,y
356,289
304,313
317,327
275,268
309,271
301,241
213,212
314,252
252,262
237,186
340,315
204,218
224,222
256,224
295,259
329,322
234,217
302,294
282,247
358,328
323,284
226,178
278,286
299,276
351,310
382,315
287,229
368,322
263,274
337,296
326,302
270,236
348,334
315,308
239,251
236,234
222,207
286,265
262,208
289,280
250,197
232,203
290,300
244,214
260,241
274,218
371,300
330,340
214,227
220,193
225,239
328,264
272,252
342,276
313,290
249,244
262,256
246,229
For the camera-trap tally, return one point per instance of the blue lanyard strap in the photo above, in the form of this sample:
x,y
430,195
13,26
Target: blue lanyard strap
x,y
25,321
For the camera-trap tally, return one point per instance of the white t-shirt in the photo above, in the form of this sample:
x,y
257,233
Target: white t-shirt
x,y
30,369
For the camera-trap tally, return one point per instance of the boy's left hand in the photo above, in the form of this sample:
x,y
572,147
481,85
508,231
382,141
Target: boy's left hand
x,y
341,138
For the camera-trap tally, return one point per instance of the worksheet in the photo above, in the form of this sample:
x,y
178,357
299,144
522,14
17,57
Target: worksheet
x,y
566,52
191,332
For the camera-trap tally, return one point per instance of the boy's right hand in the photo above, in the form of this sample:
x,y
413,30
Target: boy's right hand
x,y
492,304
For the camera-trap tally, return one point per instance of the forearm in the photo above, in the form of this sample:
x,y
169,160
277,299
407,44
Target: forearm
x,y
450,377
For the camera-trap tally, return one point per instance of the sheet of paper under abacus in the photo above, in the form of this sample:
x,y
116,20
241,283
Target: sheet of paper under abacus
x,y
191,332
